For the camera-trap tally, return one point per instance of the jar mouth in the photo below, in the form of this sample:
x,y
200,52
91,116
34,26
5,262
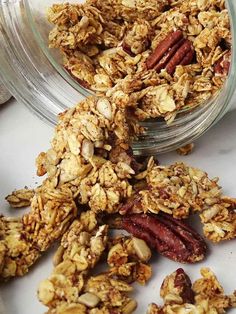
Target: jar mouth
x,y
47,88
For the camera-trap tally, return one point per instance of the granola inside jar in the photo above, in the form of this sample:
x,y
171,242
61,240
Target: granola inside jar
x,y
41,79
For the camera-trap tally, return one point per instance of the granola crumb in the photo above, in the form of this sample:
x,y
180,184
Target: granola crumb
x,y
185,150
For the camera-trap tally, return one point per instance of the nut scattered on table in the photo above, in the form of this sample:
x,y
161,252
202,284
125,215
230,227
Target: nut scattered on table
x,y
168,236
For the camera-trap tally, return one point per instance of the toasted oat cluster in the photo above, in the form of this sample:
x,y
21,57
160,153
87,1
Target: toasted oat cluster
x,y
90,154
16,253
204,296
183,47
179,190
22,240
71,288
128,257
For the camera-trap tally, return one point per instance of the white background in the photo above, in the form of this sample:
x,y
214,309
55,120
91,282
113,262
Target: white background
x,y
23,136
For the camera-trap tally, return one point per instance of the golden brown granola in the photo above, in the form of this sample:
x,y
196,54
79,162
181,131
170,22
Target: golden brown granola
x,y
209,296
82,154
17,254
23,239
180,190
127,258
104,42
70,288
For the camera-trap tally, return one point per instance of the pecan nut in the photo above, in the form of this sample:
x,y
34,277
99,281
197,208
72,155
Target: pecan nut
x,y
171,237
222,66
174,50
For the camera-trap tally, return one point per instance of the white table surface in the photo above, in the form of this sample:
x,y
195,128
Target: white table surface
x,y
23,136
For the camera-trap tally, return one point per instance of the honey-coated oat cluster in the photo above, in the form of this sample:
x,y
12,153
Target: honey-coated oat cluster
x,y
93,182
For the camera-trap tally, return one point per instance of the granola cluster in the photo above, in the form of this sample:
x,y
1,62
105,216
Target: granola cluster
x,y
204,296
180,190
90,154
23,239
182,46
128,257
17,254
71,288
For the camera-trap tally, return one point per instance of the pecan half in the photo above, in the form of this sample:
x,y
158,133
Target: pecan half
x,y
177,288
174,50
171,237
222,66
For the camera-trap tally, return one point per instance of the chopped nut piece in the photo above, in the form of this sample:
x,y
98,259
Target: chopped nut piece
x,y
171,237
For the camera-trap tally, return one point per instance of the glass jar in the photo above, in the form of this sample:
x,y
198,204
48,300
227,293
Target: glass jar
x,y
34,76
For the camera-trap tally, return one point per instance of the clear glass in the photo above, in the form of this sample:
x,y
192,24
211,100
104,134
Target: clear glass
x,y
34,76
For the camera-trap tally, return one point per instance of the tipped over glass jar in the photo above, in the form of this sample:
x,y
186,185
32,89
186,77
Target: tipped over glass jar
x,y
41,78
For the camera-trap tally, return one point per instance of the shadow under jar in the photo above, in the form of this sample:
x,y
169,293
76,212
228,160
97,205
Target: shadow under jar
x,y
35,76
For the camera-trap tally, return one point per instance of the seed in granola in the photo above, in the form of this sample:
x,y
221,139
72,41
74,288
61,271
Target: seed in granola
x,y
104,107
87,150
89,299
58,256
141,249
46,292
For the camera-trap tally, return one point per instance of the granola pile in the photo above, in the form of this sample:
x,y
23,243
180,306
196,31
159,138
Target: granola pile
x,y
182,48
